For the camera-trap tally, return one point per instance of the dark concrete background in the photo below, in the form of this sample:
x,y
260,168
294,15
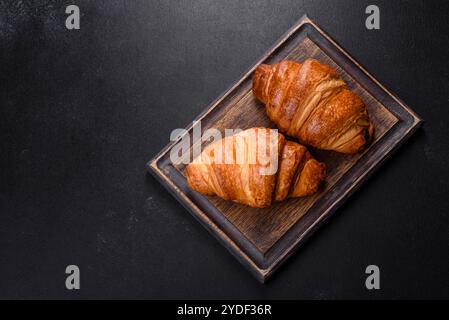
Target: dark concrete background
x,y
81,112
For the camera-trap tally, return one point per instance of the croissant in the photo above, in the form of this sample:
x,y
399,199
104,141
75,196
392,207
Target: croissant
x,y
261,166
309,101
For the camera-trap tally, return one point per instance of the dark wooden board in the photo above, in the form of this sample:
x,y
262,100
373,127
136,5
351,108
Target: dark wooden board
x,y
262,238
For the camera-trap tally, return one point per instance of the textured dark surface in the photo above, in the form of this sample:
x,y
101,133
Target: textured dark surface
x,y
82,111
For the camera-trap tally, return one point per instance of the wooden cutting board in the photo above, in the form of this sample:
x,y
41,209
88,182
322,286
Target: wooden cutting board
x,y
263,238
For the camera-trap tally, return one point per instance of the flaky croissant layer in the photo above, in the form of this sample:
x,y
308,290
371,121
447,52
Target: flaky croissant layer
x,y
311,102
255,172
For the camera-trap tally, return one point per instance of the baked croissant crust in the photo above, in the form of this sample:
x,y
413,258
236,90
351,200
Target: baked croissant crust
x,y
311,102
261,166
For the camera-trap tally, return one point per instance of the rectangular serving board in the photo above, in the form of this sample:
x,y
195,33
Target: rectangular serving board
x,y
262,239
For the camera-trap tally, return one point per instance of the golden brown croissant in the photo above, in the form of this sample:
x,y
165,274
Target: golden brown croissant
x,y
262,166
311,102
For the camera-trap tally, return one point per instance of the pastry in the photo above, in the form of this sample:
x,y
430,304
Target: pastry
x,y
255,167
310,101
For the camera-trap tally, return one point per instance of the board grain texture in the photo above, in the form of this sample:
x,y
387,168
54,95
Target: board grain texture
x,y
263,238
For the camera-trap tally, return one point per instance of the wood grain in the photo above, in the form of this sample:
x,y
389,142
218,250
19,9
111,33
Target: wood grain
x,y
262,238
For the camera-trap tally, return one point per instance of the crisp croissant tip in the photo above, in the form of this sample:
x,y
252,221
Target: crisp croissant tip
x,y
263,66
260,79
369,133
